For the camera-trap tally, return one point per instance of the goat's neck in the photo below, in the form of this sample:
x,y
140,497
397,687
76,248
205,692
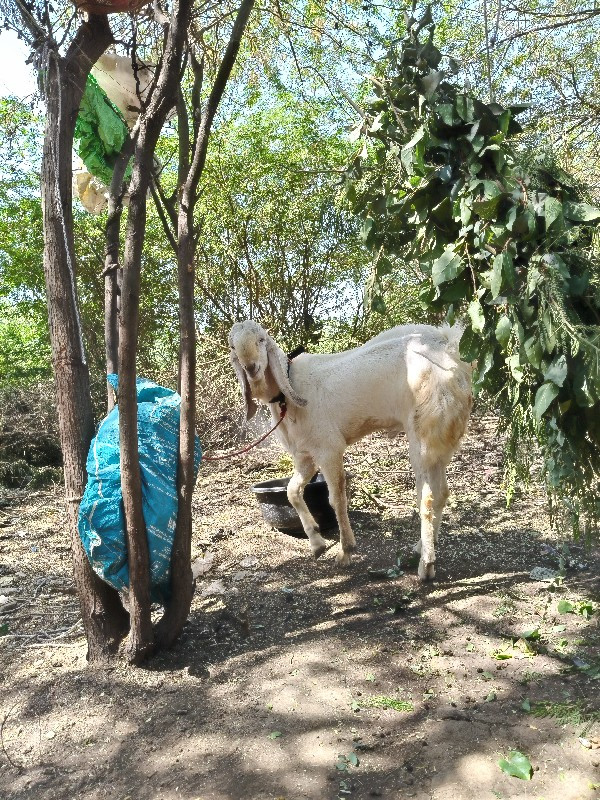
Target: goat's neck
x,y
265,388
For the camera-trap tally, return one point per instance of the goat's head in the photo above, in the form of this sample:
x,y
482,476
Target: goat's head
x,y
256,358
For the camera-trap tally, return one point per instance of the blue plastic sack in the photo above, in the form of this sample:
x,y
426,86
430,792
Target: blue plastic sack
x,y
101,516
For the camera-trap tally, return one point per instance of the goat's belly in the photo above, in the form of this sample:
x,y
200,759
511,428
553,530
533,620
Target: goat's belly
x,y
393,427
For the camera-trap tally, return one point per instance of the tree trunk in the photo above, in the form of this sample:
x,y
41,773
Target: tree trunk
x,y
178,608
113,275
141,640
182,584
104,619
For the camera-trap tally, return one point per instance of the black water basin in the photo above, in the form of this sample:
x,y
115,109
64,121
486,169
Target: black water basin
x,y
278,511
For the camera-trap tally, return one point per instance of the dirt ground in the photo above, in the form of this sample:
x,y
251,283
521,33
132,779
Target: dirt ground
x,y
294,680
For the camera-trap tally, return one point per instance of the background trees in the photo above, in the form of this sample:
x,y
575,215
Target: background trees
x,y
258,218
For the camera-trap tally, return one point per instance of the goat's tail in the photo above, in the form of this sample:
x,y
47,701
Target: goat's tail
x,y
441,385
452,334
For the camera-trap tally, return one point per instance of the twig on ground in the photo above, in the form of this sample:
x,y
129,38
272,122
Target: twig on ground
x,y
379,503
4,750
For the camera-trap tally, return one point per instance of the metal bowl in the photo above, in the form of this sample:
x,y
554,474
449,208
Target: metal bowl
x,y
278,511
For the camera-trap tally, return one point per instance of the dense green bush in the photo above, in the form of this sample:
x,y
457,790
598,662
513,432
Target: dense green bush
x,y
439,183
30,453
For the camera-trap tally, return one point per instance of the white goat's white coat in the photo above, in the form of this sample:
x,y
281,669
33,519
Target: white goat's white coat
x,y
408,378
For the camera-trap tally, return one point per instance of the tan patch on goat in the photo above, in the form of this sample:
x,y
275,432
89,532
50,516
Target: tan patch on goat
x,y
427,507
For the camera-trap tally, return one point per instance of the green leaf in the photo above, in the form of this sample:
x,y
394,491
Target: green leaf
x,y
464,107
526,705
466,212
491,189
496,282
553,212
353,759
543,398
517,766
416,138
565,607
524,224
475,312
429,83
583,386
442,212
503,329
275,735
446,267
515,367
485,362
533,351
501,655
378,304
446,113
580,212
488,209
557,371
533,634
384,266
367,228
503,273
470,345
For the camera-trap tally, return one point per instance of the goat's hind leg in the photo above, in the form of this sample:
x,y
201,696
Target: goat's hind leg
x,y
432,499
304,469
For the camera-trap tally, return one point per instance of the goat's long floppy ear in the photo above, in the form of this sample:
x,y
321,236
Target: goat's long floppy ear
x,y
249,402
278,364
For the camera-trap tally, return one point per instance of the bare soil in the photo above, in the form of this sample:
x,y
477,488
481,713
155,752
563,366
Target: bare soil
x,y
296,680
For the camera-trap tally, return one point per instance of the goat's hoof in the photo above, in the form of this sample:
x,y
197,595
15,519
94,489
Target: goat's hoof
x,y
426,572
344,558
319,550
318,545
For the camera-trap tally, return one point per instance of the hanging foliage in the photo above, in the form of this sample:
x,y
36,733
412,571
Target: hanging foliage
x,y
438,183
100,131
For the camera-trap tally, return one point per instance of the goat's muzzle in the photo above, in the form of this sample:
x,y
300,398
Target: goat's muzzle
x,y
252,369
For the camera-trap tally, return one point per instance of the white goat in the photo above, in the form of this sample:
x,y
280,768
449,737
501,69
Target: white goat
x,y
408,378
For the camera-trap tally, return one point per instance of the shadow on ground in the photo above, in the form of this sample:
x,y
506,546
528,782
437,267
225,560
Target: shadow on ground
x,y
298,681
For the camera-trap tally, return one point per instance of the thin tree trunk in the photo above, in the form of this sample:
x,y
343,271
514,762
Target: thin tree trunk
x,y
141,639
112,270
104,619
178,608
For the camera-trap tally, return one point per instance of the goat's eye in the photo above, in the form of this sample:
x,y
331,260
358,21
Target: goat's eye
x,y
261,341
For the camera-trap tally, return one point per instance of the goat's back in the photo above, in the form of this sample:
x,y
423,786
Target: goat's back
x,y
409,377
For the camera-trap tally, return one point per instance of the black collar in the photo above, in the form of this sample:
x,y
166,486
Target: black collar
x,y
296,352
280,398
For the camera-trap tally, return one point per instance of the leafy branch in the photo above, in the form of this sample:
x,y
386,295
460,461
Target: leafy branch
x,y
504,239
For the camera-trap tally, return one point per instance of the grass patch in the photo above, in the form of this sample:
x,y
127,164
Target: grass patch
x,y
507,606
573,713
380,701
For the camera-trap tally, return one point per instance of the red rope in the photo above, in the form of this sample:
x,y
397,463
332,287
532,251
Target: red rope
x,y
250,446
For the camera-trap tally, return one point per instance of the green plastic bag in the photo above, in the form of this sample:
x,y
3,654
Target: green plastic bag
x,y
101,132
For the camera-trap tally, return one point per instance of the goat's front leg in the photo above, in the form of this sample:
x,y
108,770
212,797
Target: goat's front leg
x,y
432,493
304,469
333,471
